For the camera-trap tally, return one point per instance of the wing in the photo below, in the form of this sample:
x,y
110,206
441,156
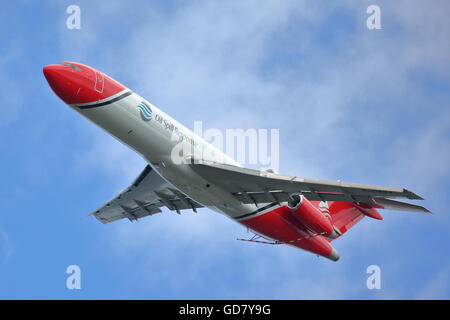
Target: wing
x,y
148,193
258,187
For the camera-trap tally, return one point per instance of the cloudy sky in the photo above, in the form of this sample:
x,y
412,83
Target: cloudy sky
x,y
360,105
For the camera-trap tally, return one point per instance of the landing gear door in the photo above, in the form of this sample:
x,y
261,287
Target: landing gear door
x,y
99,82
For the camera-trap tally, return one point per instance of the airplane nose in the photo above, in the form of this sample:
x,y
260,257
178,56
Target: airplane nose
x,y
76,83
52,74
71,84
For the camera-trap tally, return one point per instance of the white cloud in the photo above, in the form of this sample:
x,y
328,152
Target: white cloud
x,y
429,149
6,245
436,288
108,156
12,103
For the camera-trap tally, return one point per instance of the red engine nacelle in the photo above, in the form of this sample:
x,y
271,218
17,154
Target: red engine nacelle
x,y
305,212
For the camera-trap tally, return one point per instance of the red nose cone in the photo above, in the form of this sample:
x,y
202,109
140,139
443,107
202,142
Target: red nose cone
x,y
55,78
71,85
76,83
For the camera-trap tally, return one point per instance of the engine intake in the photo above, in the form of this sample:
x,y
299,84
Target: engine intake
x,y
306,213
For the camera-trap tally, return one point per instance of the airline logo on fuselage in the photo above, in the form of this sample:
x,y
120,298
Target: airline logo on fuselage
x,y
324,208
146,111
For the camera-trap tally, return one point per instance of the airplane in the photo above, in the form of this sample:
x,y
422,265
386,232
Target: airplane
x,y
184,172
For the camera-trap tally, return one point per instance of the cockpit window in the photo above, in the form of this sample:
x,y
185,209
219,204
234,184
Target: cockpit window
x,y
74,67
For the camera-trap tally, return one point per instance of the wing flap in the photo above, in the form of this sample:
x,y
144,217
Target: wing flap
x,y
147,194
283,196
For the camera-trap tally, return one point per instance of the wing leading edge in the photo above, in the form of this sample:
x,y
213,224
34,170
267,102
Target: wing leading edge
x,y
258,187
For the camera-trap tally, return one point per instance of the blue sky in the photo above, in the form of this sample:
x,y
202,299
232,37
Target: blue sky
x,y
351,104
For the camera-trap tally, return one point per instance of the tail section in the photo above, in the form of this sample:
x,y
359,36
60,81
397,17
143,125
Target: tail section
x,y
344,215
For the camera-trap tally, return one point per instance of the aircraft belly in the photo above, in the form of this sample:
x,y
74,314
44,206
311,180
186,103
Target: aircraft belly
x,y
280,225
203,191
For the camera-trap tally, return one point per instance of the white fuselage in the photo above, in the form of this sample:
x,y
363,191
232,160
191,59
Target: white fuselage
x,y
166,144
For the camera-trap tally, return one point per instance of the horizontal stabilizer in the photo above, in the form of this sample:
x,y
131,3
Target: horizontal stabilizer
x,y
398,205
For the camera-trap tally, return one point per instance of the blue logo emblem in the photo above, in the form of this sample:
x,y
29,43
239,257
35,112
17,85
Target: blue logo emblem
x,y
146,111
